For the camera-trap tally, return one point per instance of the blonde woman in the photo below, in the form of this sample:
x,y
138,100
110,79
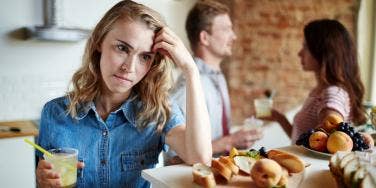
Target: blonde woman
x,y
118,114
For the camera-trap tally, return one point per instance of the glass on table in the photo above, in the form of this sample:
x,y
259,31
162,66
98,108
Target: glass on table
x,y
252,123
64,161
263,107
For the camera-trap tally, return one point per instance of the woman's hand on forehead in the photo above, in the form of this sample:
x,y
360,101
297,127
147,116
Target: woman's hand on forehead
x,y
169,44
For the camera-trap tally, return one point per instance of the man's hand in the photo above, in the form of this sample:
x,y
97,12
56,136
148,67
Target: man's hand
x,y
244,139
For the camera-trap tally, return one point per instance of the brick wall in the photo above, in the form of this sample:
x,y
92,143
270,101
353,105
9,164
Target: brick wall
x,y
265,54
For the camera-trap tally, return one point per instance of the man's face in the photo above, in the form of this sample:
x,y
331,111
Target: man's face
x,y
221,36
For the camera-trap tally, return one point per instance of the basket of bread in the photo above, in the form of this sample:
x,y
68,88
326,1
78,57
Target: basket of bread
x,y
354,169
253,168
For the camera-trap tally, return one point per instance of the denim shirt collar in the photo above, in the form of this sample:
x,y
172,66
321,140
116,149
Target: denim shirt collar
x,y
129,109
205,68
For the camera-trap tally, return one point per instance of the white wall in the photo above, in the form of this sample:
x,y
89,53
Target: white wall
x,y
366,41
33,72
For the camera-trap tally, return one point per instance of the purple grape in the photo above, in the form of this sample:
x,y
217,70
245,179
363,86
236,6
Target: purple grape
x,y
311,131
263,152
351,134
357,135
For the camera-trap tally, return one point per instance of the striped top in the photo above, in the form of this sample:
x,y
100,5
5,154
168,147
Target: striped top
x,y
332,97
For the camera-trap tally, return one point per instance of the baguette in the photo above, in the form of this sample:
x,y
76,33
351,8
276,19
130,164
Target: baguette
x,y
221,169
202,175
288,160
228,162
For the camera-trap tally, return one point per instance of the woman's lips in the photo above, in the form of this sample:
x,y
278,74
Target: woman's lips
x,y
122,78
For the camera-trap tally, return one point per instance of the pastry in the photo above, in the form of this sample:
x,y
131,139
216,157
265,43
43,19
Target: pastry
x,y
202,175
288,160
221,169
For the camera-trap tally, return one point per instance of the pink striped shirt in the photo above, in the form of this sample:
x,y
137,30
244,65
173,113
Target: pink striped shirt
x,y
333,98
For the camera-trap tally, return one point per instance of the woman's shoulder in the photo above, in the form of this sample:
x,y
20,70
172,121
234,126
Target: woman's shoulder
x,y
334,90
59,103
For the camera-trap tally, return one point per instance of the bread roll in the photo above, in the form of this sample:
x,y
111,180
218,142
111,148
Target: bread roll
x,y
288,160
202,175
221,169
227,161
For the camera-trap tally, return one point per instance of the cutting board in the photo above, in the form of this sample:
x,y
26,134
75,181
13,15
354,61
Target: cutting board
x,y
27,128
243,180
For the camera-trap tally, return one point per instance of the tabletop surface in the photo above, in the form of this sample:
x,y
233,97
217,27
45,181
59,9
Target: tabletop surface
x,y
17,128
180,176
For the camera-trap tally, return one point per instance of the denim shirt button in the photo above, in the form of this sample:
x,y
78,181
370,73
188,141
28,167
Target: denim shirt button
x,y
104,133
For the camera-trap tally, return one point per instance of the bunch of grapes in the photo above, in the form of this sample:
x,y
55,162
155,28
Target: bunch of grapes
x,y
358,141
304,138
255,153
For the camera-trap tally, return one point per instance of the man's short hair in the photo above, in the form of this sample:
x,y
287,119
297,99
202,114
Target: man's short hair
x,y
200,18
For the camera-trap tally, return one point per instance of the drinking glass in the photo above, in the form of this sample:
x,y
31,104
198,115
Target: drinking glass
x,y
263,107
64,161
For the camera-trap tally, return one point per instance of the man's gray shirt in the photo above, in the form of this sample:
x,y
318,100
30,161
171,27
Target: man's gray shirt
x,y
214,87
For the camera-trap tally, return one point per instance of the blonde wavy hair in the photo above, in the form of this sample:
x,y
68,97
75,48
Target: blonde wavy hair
x,y
152,90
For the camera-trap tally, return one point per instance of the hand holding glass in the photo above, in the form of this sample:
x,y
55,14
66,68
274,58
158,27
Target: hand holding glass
x,y
64,161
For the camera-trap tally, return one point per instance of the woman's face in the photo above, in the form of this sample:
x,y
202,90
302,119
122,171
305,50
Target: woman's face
x,y
126,55
309,63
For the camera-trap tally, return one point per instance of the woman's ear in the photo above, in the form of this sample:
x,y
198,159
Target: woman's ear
x,y
204,38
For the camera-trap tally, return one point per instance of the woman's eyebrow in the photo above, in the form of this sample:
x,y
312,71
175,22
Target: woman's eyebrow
x,y
131,47
125,43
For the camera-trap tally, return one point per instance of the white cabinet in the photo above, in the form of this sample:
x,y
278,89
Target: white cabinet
x,y
17,159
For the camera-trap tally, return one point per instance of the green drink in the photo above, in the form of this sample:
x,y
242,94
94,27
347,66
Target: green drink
x,y
263,107
64,162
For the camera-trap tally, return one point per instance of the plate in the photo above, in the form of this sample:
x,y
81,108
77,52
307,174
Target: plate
x,y
317,152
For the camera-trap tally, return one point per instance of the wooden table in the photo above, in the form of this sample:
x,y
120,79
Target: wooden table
x,y
180,176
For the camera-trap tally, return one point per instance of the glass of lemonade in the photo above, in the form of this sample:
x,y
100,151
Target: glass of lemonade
x,y
64,161
263,107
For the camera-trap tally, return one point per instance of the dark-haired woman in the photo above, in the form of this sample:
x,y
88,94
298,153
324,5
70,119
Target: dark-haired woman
x,y
329,52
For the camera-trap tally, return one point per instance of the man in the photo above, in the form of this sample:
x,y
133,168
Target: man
x,y
209,30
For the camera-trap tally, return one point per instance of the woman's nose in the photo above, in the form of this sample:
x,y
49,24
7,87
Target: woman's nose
x,y
234,35
300,53
129,64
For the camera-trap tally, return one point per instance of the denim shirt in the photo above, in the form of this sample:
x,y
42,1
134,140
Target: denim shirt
x,y
114,151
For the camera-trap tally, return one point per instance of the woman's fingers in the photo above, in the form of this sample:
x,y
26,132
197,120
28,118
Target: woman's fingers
x,y
168,34
80,165
164,48
43,164
168,43
166,37
48,174
50,183
45,176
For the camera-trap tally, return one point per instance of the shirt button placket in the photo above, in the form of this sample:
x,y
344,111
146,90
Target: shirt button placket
x,y
103,161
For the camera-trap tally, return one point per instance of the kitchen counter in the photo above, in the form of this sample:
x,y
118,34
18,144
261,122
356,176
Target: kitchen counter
x,y
180,176
20,128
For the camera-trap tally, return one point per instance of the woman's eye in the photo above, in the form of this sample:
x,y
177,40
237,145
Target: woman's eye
x,y
146,58
122,48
